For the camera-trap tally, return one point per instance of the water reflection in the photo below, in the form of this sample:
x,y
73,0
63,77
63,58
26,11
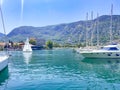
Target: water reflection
x,y
101,61
113,64
108,69
27,57
4,75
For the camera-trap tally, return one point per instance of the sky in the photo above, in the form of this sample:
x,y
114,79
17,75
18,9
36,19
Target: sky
x,y
40,13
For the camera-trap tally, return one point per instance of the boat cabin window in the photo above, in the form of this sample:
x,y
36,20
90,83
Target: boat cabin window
x,y
110,48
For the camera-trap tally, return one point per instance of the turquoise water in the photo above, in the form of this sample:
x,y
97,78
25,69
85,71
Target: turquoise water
x,y
59,69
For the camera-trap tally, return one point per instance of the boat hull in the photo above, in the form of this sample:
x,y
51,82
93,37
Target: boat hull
x,y
3,62
101,54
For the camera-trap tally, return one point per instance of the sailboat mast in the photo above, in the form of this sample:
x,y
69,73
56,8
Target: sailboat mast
x,y
111,37
86,29
2,18
92,28
4,29
97,30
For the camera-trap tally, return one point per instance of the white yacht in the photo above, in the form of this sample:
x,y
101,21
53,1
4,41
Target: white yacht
x,y
27,46
3,61
3,56
109,51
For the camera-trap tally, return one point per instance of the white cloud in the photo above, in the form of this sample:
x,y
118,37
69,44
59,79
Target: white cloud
x,y
1,2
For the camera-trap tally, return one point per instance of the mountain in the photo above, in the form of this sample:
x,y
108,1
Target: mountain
x,y
1,35
71,32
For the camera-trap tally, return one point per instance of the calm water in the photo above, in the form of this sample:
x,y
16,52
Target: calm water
x,y
60,69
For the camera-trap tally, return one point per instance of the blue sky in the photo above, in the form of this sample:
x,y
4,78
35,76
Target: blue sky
x,y
51,12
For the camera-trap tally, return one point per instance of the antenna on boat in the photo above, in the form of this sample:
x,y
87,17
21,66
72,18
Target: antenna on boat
x,y
111,38
86,29
97,30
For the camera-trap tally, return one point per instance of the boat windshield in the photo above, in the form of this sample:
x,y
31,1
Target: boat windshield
x,y
110,48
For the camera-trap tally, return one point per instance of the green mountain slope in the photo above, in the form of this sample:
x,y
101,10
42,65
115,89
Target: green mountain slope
x,y
2,37
71,32
1,34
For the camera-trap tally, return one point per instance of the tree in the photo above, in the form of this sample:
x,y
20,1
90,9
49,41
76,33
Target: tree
x,y
79,45
56,45
32,41
49,44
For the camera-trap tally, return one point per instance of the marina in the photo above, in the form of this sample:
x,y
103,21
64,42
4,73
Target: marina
x,y
49,45
59,69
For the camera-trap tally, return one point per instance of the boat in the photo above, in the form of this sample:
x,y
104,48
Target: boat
x,y
109,51
27,46
3,55
3,61
87,47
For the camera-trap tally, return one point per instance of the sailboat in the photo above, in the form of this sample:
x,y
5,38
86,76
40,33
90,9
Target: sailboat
x,y
87,48
27,46
109,51
3,55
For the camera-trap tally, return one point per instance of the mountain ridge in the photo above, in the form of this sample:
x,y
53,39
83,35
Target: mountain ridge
x,y
70,32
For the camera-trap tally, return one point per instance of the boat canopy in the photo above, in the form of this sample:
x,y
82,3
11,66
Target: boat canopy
x,y
110,47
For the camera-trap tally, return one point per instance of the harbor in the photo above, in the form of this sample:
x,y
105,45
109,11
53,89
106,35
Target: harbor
x,y
59,69
59,45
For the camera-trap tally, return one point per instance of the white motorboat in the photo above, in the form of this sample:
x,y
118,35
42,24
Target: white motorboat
x,y
109,51
27,46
